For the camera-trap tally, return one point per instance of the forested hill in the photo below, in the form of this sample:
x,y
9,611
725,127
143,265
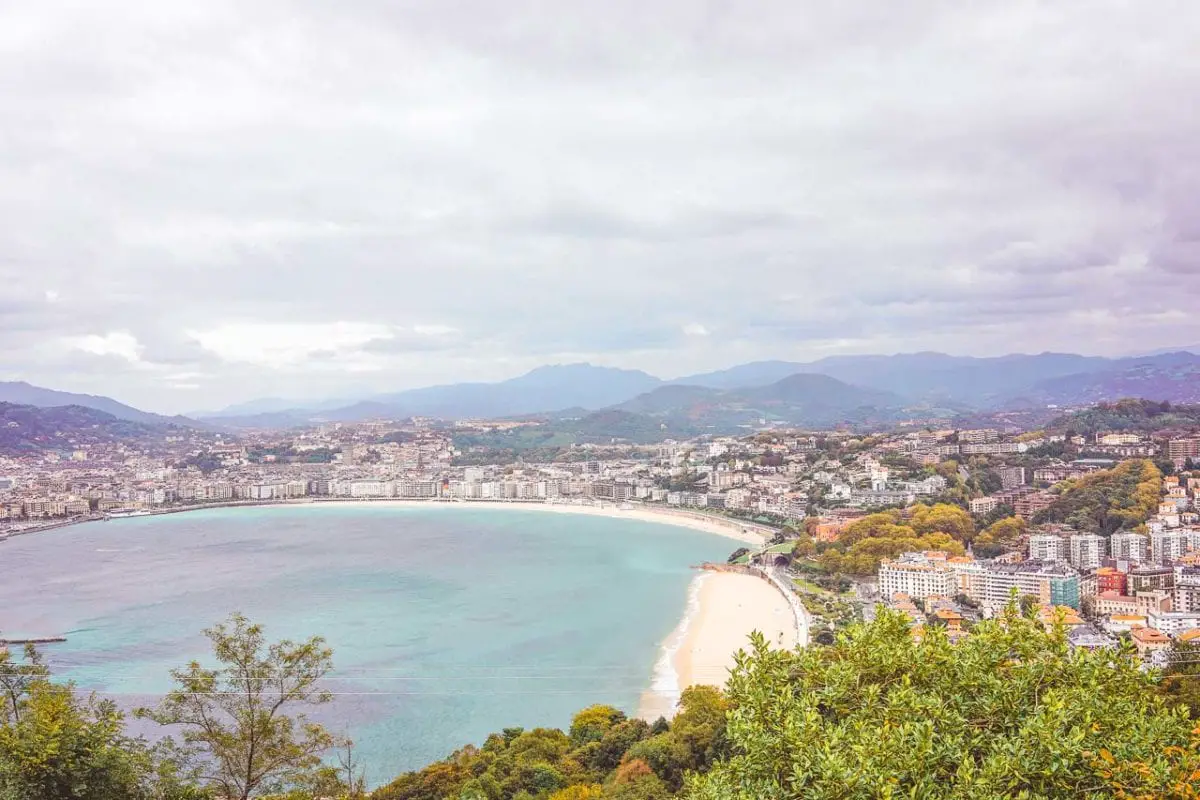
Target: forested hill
x,y
1108,501
1135,415
27,429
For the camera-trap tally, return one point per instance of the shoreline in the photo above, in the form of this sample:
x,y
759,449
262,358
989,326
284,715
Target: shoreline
x,y
751,533
723,608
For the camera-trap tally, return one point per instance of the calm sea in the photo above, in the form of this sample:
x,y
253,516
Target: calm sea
x,y
447,623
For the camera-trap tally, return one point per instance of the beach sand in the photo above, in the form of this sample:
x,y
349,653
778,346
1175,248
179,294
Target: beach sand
x,y
723,608
721,527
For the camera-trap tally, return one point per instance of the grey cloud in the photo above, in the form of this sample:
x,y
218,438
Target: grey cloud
x,y
584,181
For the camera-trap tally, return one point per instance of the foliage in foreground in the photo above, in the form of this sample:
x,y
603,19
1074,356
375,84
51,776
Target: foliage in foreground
x,y
1011,711
241,735
603,755
240,729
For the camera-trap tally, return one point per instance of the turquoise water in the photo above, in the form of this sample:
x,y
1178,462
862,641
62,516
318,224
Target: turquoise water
x,y
447,623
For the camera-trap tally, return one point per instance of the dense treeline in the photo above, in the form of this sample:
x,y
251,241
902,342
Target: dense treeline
x,y
603,755
1011,711
1141,416
1105,502
887,534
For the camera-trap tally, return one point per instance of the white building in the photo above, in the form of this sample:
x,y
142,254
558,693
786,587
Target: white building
x,y
917,577
1129,547
371,489
1086,550
1045,547
1173,623
1166,546
984,505
1052,584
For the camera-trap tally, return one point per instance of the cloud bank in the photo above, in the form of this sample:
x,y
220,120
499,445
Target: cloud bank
x,y
207,202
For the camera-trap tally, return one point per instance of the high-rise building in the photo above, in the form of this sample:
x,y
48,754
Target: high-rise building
x,y
1166,546
1180,450
1129,547
1045,547
1086,550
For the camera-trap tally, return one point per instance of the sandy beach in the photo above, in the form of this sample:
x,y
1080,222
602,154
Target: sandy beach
x,y
723,608
729,528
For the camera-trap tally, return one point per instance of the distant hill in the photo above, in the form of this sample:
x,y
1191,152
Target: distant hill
x,y
802,399
931,385
974,382
541,390
756,373
1173,377
671,398
1142,416
270,405
27,429
22,393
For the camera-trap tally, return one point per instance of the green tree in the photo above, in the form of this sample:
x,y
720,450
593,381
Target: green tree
x,y
62,747
1181,678
16,678
582,791
1007,530
590,724
1010,711
239,720
943,518
635,781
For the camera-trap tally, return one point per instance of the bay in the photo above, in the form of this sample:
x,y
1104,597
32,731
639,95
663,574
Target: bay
x,y
447,623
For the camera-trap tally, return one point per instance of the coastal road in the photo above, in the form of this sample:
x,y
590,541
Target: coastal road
x,y
780,578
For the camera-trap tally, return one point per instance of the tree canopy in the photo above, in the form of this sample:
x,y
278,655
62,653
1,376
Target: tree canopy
x,y
887,534
1107,501
240,722
604,755
1010,711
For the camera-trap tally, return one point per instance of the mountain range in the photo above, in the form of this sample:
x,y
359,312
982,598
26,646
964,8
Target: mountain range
x,y
927,384
22,393
861,390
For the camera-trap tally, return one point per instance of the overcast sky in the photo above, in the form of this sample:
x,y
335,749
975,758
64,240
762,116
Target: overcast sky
x,y
206,202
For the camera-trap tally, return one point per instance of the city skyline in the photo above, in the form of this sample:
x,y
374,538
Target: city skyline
x,y
211,204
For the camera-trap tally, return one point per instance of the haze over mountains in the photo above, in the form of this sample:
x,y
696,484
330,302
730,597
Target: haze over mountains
x,y
22,393
831,391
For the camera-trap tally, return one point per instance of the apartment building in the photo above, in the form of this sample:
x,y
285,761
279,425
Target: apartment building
x,y
917,577
1130,547
1030,503
1166,546
1108,603
1087,549
1150,578
984,505
1180,450
1045,547
1111,580
1052,583
1011,477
